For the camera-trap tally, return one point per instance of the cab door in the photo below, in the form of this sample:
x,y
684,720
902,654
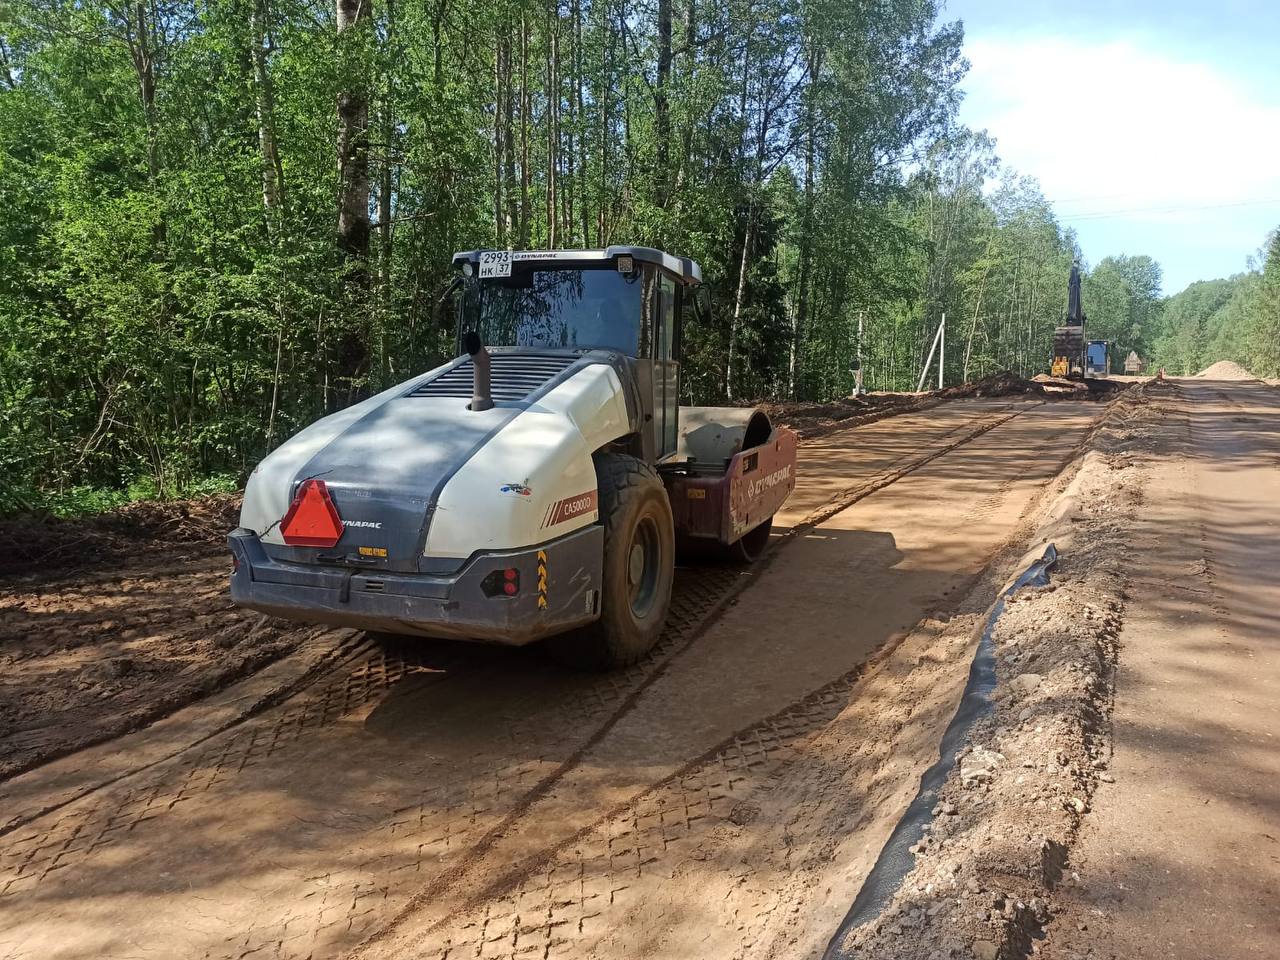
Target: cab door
x,y
666,367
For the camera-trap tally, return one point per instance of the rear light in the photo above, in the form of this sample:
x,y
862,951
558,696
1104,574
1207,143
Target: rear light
x,y
235,564
501,583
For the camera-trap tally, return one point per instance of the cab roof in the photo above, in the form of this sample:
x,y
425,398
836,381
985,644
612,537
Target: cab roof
x,y
684,269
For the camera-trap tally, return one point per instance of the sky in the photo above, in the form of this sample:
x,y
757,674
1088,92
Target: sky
x,y
1153,126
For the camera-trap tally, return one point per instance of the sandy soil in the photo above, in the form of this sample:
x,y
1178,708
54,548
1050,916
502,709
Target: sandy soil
x,y
727,797
1179,857
111,622
998,846
817,419
84,659
1119,801
119,620
1225,370
34,547
426,796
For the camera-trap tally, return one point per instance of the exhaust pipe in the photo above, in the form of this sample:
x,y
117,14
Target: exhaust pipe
x,y
480,399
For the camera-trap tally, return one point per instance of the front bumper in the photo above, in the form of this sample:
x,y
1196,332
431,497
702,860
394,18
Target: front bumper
x,y
567,596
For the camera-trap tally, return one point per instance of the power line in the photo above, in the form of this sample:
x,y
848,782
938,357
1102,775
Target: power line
x,y
1111,214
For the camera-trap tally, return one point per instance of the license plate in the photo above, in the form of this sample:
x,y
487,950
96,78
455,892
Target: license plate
x,y
495,263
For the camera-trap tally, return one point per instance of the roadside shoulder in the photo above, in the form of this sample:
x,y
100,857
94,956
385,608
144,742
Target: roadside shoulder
x,y
1008,814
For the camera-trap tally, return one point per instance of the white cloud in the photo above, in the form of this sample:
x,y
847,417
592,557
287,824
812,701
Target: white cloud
x,y
1113,127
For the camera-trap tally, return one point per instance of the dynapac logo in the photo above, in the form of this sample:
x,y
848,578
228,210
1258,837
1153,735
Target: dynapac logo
x,y
569,507
757,487
368,524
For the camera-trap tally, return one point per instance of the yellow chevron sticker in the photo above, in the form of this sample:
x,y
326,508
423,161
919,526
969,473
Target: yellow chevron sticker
x,y
542,579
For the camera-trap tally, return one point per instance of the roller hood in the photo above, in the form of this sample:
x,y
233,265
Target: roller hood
x,y
386,461
384,473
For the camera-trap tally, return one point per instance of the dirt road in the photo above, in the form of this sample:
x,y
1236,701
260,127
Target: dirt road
x,y
453,800
1180,858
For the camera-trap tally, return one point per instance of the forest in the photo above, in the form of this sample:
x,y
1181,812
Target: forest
x,y
1235,318
224,218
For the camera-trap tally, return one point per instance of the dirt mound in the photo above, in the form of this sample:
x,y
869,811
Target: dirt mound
x,y
811,419
30,545
1007,383
1002,384
1225,370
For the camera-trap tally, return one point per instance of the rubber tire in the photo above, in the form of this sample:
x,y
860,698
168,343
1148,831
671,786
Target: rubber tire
x,y
630,492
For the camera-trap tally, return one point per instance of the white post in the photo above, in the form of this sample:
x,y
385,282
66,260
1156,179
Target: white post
x,y
924,371
857,389
942,347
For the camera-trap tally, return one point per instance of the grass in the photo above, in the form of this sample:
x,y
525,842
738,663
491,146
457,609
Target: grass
x,y
87,500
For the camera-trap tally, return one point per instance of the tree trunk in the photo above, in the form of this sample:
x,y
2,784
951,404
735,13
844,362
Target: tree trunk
x,y
584,211
264,101
499,215
553,120
973,326
605,140
686,131
437,41
385,187
525,104
661,110
512,201
569,188
350,355
739,298
144,66
272,181
806,218
353,149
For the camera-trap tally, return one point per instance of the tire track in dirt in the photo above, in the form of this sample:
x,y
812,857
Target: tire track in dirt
x,y
85,662
554,900
421,836
665,657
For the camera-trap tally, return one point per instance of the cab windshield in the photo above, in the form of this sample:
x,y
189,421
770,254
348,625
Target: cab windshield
x,y
570,309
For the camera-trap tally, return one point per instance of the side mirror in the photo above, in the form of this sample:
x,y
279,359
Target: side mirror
x,y
443,319
702,303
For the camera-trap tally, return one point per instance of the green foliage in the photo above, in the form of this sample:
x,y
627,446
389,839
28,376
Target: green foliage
x,y
1231,319
84,500
1121,297
173,301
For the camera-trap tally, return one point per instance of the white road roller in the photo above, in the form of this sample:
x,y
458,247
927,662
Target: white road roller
x,y
537,486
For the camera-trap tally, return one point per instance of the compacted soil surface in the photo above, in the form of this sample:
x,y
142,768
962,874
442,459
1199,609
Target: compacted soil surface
x,y
1179,856
110,622
1119,799
358,796
178,778
85,658
811,419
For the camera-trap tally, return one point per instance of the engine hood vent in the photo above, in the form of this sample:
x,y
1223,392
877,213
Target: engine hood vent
x,y
513,376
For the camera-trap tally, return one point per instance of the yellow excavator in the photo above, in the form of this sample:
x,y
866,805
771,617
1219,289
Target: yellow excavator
x,y
1068,339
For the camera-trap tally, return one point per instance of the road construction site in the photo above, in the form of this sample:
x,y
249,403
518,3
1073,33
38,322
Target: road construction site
x,y
184,779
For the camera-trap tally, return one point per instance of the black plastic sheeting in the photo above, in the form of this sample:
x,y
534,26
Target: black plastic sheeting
x,y
896,859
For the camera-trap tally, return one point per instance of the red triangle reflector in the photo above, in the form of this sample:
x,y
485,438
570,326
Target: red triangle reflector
x,y
312,520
